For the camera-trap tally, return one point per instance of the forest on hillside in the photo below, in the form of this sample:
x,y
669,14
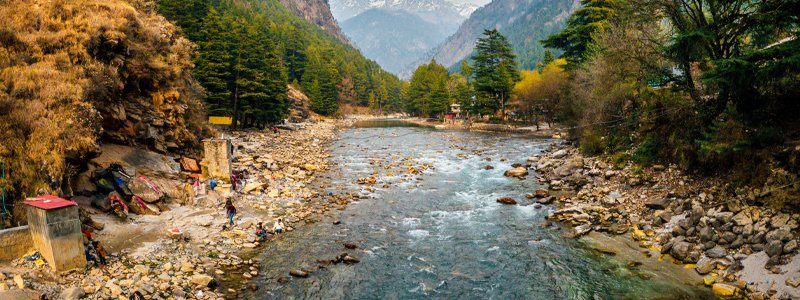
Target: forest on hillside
x,y
249,50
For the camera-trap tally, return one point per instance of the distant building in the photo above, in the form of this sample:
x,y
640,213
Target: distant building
x,y
455,110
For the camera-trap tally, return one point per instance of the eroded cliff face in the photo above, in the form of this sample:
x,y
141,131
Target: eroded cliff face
x,y
317,12
77,73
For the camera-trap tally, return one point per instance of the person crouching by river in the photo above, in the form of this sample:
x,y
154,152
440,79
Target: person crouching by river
x,y
231,210
261,233
279,226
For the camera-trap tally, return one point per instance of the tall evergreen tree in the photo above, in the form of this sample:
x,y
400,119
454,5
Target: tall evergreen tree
x,y
213,64
495,72
578,38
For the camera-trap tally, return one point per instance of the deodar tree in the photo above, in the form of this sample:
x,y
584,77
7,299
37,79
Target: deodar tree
x,y
495,73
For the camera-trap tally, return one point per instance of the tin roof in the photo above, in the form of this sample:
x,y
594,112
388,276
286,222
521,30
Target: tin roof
x,y
48,202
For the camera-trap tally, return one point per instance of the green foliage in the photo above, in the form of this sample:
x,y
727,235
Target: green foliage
x,y
427,91
577,40
495,73
591,144
722,82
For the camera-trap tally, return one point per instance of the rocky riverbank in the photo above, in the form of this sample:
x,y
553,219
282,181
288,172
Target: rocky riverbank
x,y
740,249
543,130
202,261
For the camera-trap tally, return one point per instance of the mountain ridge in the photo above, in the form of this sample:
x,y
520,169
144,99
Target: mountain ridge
x,y
317,12
524,22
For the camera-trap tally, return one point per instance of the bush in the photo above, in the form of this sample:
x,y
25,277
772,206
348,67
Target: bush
x,y
591,143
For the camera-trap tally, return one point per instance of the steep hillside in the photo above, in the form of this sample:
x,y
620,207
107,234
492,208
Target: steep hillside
x,y
317,12
393,38
73,73
231,33
524,22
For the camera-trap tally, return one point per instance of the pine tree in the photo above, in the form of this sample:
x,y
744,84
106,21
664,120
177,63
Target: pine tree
x,y
578,38
495,72
548,58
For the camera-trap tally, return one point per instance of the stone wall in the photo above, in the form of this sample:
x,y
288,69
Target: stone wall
x,y
15,242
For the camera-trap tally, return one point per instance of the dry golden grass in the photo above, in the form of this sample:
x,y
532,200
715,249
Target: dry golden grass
x,y
67,70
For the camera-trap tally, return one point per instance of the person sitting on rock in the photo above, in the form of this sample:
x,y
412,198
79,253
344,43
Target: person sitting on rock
x,y
261,233
231,210
279,226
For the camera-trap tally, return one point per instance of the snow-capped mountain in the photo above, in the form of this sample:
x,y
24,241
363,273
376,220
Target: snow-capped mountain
x,y
466,9
396,33
435,11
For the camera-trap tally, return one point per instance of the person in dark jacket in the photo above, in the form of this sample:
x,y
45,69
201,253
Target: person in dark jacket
x,y
231,210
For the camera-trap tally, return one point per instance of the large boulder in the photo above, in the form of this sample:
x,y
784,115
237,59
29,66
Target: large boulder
x,y
146,189
519,172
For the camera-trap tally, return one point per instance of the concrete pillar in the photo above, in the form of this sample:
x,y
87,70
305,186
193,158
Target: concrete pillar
x,y
217,160
56,231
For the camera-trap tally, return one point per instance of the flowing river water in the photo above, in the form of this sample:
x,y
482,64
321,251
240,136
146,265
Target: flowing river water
x,y
441,234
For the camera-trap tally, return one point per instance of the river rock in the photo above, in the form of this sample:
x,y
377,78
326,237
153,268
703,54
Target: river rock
x,y
716,252
782,235
780,220
19,281
252,186
113,288
186,267
298,273
560,153
541,193
507,201
705,265
681,250
790,246
201,280
72,293
656,204
350,246
546,200
519,172
774,248
724,290
742,218
349,259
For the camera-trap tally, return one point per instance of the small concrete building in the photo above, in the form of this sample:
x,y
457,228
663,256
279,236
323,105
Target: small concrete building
x,y
56,231
217,160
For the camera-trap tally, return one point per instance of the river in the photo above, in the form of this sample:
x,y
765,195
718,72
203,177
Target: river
x,y
441,234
